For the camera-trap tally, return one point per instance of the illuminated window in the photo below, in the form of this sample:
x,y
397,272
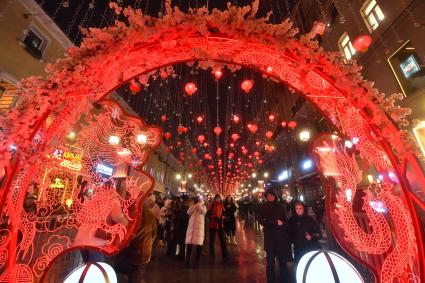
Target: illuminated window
x,y
372,14
346,47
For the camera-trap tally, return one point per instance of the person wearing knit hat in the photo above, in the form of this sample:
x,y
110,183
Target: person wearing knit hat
x,y
272,216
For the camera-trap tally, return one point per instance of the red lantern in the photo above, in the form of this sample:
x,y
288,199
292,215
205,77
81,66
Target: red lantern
x,y
219,152
269,134
181,130
362,43
319,28
163,118
201,138
235,137
231,155
253,128
292,124
205,144
217,130
256,153
218,74
236,119
190,88
134,87
245,151
283,124
167,135
194,150
247,85
200,119
260,161
272,118
257,143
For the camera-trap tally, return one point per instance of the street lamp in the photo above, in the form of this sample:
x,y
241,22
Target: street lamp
x,y
178,177
304,135
266,174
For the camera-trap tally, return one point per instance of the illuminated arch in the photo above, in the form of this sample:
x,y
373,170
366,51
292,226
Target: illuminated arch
x,y
140,47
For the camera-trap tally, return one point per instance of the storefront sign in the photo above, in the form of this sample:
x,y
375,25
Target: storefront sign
x,y
104,170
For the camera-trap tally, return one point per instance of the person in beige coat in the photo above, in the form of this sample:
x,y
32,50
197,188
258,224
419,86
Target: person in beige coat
x,y
195,230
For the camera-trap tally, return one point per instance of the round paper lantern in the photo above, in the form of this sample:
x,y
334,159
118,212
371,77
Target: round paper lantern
x,y
167,135
253,128
92,272
163,118
326,265
247,85
269,134
219,152
218,74
190,88
292,124
194,150
134,87
199,119
319,28
244,151
181,130
256,153
272,118
235,137
283,124
236,119
201,138
217,130
362,43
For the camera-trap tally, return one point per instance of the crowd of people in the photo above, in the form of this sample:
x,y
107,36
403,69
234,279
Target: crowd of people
x,y
179,225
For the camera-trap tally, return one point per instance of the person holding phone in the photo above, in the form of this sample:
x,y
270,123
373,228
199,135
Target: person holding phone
x,y
272,216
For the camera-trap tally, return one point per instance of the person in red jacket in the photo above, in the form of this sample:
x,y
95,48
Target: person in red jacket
x,y
215,214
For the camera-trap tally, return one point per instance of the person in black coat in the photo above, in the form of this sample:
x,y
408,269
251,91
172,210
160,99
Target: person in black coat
x,y
272,216
181,221
230,220
304,232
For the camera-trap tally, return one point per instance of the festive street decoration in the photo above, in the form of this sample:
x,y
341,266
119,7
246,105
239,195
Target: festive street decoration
x,y
362,43
233,36
247,85
190,88
217,130
135,87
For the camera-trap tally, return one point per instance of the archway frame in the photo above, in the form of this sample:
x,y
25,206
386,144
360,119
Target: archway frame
x,y
138,48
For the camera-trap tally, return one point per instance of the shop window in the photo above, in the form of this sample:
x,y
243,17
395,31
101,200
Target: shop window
x,y
35,42
346,46
408,69
372,14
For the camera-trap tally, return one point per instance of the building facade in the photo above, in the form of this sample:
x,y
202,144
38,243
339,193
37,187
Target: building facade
x,y
29,40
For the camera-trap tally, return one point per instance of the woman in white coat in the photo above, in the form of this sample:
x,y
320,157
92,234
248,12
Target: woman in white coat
x,y
195,229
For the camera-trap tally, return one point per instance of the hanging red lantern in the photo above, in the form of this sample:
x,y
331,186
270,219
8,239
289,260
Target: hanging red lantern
x,y
135,87
190,88
256,153
205,144
362,43
253,128
163,118
194,150
319,28
272,118
247,85
283,124
270,148
245,151
207,156
232,145
201,138
199,119
236,119
181,130
235,137
292,125
231,155
219,151
257,143
217,130
167,135
269,134
260,161
218,74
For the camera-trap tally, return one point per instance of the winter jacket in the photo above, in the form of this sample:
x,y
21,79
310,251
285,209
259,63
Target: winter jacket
x,y
216,214
275,236
164,212
145,237
180,222
196,227
229,216
298,226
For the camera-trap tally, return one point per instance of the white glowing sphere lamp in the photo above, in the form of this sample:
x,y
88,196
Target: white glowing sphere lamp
x,y
98,272
326,266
